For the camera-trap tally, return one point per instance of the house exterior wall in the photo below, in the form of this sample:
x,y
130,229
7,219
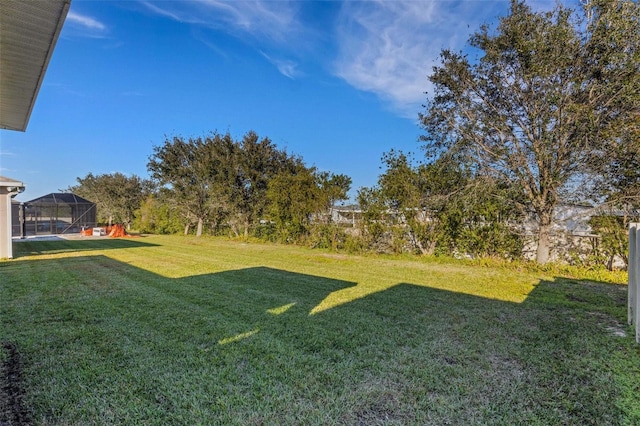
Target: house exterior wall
x,y
6,249
8,189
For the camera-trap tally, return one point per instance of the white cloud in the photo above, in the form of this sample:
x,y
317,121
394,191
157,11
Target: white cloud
x,y
275,20
165,12
389,48
263,22
286,67
384,47
86,22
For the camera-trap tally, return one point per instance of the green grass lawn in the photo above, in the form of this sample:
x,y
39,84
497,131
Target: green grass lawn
x,y
175,330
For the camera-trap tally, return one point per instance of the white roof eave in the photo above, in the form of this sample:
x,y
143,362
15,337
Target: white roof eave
x,y
29,31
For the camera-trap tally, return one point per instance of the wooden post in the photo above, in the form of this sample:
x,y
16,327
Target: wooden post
x,y
636,284
634,278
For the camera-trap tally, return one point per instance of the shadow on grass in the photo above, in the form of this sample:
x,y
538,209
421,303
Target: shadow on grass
x,y
22,248
561,357
241,347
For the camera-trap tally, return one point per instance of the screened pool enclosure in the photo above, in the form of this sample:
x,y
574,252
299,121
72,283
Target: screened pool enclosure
x,y
60,213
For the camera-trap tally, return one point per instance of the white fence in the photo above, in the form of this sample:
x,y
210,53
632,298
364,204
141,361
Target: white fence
x,y
634,277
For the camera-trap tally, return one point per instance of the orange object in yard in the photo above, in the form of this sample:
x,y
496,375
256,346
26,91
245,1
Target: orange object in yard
x,y
117,231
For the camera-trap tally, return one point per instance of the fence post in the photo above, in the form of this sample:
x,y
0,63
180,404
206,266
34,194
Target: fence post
x,y
634,278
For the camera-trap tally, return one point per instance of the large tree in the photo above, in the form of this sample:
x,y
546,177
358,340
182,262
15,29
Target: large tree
x,y
333,188
216,178
293,197
258,161
116,195
443,208
426,197
298,197
182,167
549,96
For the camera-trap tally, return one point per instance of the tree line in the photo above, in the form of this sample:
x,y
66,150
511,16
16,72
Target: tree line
x,y
218,184
546,111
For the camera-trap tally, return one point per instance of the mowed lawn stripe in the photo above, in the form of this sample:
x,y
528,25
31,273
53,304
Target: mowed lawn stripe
x,y
174,330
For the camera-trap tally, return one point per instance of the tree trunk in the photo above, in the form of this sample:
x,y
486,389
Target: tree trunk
x,y
418,244
199,229
234,228
544,242
246,229
186,229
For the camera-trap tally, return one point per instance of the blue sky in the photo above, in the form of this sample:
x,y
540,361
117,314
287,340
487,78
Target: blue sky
x,y
336,82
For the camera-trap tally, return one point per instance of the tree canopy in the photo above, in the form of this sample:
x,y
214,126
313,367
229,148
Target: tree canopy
x,y
440,208
542,109
116,195
550,97
217,179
